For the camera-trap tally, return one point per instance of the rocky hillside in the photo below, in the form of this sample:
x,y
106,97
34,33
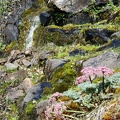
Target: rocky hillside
x,y
60,60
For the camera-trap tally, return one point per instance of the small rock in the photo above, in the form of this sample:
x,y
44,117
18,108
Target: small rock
x,y
45,18
116,34
77,52
13,55
2,74
3,60
11,33
40,108
11,66
25,85
26,63
19,75
14,94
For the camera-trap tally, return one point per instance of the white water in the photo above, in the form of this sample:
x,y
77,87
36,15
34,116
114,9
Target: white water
x,y
34,25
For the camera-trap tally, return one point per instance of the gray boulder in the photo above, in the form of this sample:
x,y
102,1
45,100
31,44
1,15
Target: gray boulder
x,y
35,92
19,76
70,5
45,18
15,94
11,66
11,33
40,108
74,6
52,64
109,59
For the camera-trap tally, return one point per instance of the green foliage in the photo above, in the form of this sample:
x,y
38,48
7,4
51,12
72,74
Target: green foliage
x,y
90,94
2,46
72,94
3,7
13,113
59,17
30,107
87,101
114,80
3,87
88,87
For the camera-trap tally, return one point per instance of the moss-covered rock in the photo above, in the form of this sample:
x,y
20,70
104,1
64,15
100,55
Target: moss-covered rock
x,y
63,77
59,35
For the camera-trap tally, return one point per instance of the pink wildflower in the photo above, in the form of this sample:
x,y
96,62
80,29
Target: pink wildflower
x,y
55,111
48,112
58,109
90,71
54,97
104,71
81,79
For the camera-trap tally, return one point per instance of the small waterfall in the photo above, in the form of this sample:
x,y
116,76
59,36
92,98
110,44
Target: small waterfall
x,y
34,25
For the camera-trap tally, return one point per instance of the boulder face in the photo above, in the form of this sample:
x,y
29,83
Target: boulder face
x,y
74,6
108,59
45,18
70,5
11,33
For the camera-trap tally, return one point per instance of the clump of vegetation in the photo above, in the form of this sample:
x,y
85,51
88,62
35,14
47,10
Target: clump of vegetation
x,y
64,76
94,86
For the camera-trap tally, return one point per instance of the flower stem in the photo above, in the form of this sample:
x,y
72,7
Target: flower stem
x,y
70,117
103,83
90,79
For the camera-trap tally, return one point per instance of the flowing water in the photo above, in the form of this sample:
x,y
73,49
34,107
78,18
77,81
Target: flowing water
x,y
34,24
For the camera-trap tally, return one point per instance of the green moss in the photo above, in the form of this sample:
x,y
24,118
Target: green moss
x,y
63,77
65,27
117,49
24,29
29,112
38,7
47,91
43,35
3,87
30,108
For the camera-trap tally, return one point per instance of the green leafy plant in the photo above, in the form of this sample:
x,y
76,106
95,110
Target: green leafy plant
x,y
2,46
90,73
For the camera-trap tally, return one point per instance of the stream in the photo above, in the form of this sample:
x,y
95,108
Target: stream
x,y
34,24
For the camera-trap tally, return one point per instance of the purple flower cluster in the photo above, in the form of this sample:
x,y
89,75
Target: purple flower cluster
x,y
55,109
90,73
